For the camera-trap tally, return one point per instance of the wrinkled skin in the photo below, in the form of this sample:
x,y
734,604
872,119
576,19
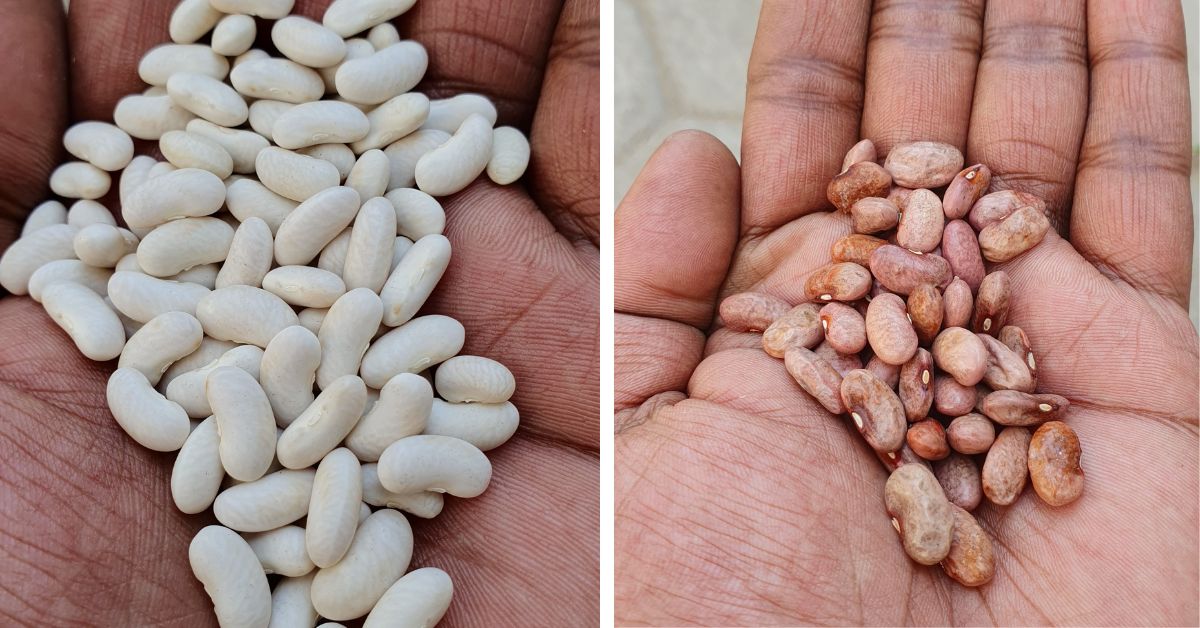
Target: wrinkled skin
x,y
88,532
739,501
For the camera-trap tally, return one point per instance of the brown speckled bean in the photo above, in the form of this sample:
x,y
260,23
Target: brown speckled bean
x,y
916,385
971,560
874,214
952,398
1012,407
1005,468
968,185
959,477
991,306
875,409
971,433
860,180
844,327
958,304
900,270
926,310
1020,231
960,354
899,195
841,362
994,207
816,377
798,327
928,440
960,247
1015,339
864,150
923,164
1054,464
921,225
751,311
889,373
889,331
893,459
855,247
1006,370
840,281
920,512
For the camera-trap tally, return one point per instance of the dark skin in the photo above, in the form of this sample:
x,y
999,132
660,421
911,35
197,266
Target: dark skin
x,y
88,531
739,501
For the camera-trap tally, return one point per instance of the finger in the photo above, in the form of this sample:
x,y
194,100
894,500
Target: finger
x,y
1031,99
530,299
107,41
33,108
1132,215
921,62
803,100
565,165
675,233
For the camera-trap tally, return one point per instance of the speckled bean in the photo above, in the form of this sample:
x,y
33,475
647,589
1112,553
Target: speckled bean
x,y
925,309
1015,339
923,164
971,561
960,354
1005,468
816,376
959,478
1006,370
864,150
889,331
921,513
960,247
921,224
873,214
845,329
900,270
991,306
860,180
797,327
966,188
855,247
1054,464
875,409
1019,232
916,386
841,281
1012,407
751,311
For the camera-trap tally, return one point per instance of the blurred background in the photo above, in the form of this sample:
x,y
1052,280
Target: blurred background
x,y
681,64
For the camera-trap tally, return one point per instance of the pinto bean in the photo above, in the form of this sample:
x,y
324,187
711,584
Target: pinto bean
x,y
926,310
816,377
889,331
1005,468
900,270
860,180
855,247
751,311
991,306
798,327
1054,464
921,224
876,410
840,281
1012,407
844,328
959,477
921,513
916,386
960,247
971,560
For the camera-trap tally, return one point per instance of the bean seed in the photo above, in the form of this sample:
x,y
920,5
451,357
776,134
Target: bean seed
x,y
994,207
1019,232
926,310
797,327
484,425
928,440
378,556
1054,464
243,314
970,561
149,418
841,362
843,281
319,429
923,164
160,342
900,270
916,386
860,180
281,551
447,114
966,188
1005,468
961,250
960,354
957,300
856,248
420,598
845,329
971,434
1006,370
434,463
920,512
384,74
875,409
959,477
404,153
872,214
452,166
510,155
333,508
991,306
921,225
92,325
889,373
426,504
889,331
1015,339
952,398
1012,407
244,421
272,501
864,150
414,279
403,409
232,577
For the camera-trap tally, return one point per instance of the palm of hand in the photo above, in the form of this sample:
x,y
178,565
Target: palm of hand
x,y
89,533
744,502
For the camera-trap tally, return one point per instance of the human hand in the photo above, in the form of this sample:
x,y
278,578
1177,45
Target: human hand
x,y
738,499
88,531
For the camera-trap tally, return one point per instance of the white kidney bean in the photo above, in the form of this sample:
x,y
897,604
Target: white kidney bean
x,y
411,348
189,389
188,150
403,408
333,509
242,146
161,168
148,117
333,256
204,275
415,277
383,35
197,473
393,120
191,20
264,113
152,420
72,270
266,9
244,420
510,155
232,577
313,224
142,297
244,314
369,176
425,504
87,319
250,255
420,598
79,179
417,213
404,153
270,502
295,176
454,165
304,286
281,551
312,317
102,245
382,75
369,257
234,35
185,193
178,245
210,349
346,332
99,143
247,198
252,54
135,174
308,43
208,98
291,605
378,556
484,425
467,378
400,248
323,424
448,114
50,213
339,155
160,342
29,253
289,368
434,463
86,212
161,62
277,79
348,17
320,122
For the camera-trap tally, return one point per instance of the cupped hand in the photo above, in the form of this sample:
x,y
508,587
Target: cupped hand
x,y
739,501
88,532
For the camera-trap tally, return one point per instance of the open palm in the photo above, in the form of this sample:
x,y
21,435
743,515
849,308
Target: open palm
x,y
88,531
738,499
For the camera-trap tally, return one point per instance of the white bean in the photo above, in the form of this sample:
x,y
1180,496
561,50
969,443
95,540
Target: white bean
x,y
484,425
420,598
266,9
414,279
411,348
307,42
293,175
281,551
189,150
264,113
149,418
47,214
448,114
289,368
417,213
347,17
99,143
85,212
510,155
189,389
161,62
277,79
204,275
333,509
454,165
369,176
244,420
383,35
142,297
250,255
102,245
160,342
404,153
135,174
304,286
232,577
234,35
400,248
434,463
73,270
320,122
161,168
323,424
208,98
29,253
252,54
242,146
346,333
291,606
403,408
87,319
270,502
393,120
314,223
191,20
369,258
467,378
425,504
247,198
148,117
339,155
356,48
197,473
178,245
333,256
311,319
244,314
383,75
378,556
210,349
185,193
79,179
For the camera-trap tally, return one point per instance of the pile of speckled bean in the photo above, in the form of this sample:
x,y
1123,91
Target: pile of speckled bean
x,y
907,332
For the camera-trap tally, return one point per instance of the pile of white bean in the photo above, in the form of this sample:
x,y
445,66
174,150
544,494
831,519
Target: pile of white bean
x,y
260,261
